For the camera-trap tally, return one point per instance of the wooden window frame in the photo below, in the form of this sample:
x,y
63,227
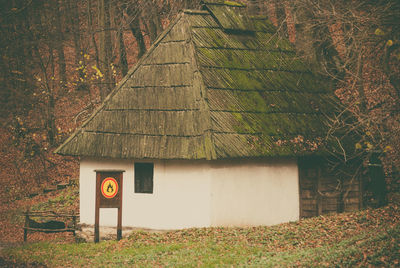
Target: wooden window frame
x,y
144,178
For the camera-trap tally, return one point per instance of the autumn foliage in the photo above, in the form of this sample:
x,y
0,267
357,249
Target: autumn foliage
x,y
61,58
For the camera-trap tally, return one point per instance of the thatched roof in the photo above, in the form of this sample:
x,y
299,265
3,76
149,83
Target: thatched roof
x,y
216,84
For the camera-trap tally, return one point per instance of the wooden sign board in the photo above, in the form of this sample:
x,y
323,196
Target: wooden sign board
x,y
108,195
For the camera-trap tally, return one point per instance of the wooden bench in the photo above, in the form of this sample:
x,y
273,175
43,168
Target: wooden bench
x,y
51,226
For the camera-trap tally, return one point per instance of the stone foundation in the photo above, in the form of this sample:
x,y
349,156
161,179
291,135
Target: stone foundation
x,y
86,232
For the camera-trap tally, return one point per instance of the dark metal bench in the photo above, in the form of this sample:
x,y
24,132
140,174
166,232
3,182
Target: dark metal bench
x,y
51,226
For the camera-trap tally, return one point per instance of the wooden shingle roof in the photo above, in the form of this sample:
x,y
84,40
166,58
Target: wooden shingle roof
x,y
216,84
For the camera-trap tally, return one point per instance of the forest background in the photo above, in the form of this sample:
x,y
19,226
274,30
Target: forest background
x,y
60,58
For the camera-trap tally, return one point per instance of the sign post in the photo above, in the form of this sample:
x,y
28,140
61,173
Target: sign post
x,y
108,195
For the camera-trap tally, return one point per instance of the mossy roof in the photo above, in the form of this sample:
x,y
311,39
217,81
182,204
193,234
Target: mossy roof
x,y
216,84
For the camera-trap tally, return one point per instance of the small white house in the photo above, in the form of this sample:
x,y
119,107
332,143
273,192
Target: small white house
x,y
210,128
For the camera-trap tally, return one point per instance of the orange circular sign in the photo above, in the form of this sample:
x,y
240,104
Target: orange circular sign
x,y
109,187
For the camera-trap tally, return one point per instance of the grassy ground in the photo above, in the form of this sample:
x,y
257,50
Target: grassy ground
x,y
368,237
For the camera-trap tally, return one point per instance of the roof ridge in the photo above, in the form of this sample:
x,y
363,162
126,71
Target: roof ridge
x,y
209,144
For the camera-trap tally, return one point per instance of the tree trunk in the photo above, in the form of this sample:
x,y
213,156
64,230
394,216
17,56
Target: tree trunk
x,y
73,18
105,48
281,16
123,62
134,25
153,20
290,22
75,23
326,53
59,43
303,28
92,34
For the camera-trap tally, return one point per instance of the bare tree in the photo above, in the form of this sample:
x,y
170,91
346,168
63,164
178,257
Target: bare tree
x,y
59,42
105,48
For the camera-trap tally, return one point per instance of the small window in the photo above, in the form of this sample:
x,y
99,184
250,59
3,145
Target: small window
x,y
144,178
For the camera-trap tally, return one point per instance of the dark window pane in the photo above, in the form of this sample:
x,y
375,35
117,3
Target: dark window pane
x,y
144,177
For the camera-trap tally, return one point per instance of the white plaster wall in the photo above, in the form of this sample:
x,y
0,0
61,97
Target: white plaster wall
x,y
198,194
251,193
180,196
87,189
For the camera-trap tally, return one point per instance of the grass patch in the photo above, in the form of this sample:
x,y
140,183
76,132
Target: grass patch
x,y
65,199
369,237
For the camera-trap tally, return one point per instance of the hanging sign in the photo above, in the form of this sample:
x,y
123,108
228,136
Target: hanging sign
x,y
109,187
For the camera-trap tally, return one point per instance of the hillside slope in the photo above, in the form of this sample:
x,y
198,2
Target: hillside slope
x,y
368,237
